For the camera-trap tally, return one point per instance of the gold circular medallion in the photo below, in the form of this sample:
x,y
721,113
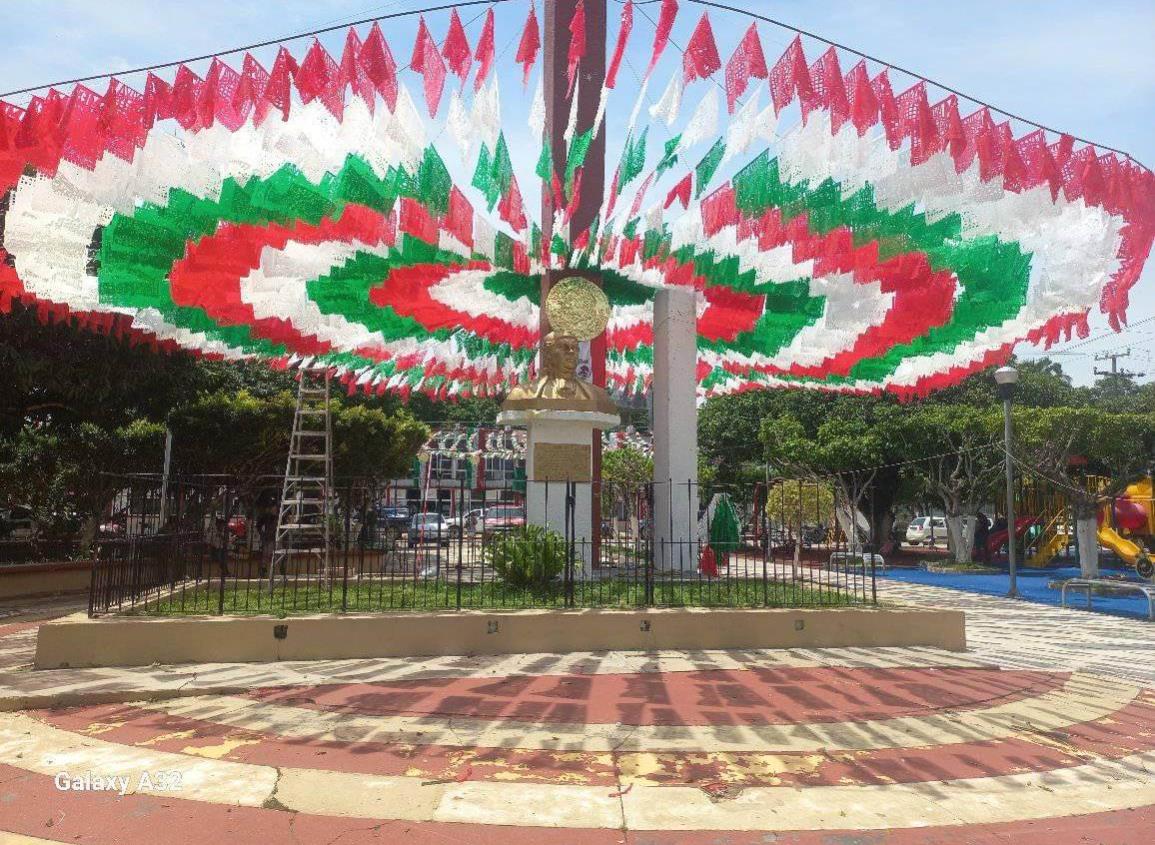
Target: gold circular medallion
x,y
577,307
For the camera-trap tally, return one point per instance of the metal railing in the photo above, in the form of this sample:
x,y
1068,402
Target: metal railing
x,y
449,547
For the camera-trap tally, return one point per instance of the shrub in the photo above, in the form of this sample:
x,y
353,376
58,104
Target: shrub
x,y
528,558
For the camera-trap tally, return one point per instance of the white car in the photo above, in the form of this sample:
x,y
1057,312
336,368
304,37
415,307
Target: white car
x,y
468,522
17,524
927,531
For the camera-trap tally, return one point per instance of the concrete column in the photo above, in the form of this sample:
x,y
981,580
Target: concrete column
x,y
675,418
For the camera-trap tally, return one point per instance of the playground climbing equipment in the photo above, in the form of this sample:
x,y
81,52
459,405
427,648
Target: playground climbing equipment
x,y
1125,523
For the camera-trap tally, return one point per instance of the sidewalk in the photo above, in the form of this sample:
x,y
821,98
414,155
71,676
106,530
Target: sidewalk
x,y
1000,632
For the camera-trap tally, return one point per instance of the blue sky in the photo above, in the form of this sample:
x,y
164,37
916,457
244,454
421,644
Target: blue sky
x,y
1088,69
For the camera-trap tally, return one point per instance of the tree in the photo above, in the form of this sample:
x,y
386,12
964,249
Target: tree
x,y
70,476
625,472
791,502
957,458
1117,393
729,434
853,445
1089,454
1042,384
239,435
372,445
60,375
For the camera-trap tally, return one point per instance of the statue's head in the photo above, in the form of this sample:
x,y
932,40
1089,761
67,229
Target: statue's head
x,y
559,355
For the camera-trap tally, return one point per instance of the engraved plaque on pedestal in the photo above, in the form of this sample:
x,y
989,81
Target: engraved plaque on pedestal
x,y
562,462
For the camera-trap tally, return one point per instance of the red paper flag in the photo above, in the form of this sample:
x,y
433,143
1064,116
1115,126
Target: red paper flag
x,y
887,110
863,103
417,60
456,50
157,95
701,57
662,33
511,207
1094,186
747,62
278,91
250,92
1062,149
415,220
459,219
351,73
434,72
577,41
381,70
624,31
1016,177
186,87
790,77
484,54
529,45
680,192
827,90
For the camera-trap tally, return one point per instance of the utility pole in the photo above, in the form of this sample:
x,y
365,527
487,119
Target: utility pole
x,y
1114,357
591,73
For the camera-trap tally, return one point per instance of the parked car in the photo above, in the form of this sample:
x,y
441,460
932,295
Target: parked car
x,y
926,531
468,522
114,526
503,518
239,527
17,524
428,528
393,518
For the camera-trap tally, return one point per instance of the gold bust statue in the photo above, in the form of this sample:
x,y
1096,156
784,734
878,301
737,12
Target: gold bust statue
x,y
556,387
577,310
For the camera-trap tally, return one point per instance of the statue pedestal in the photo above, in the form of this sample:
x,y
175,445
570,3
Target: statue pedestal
x,y
559,451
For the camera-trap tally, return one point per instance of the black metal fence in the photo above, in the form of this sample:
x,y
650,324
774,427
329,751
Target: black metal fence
x,y
449,546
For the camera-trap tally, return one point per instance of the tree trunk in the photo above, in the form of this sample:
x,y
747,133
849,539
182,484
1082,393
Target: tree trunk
x,y
956,538
960,531
88,533
1087,531
877,504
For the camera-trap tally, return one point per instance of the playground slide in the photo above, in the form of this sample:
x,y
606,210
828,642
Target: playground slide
x,y
1129,550
999,538
1049,549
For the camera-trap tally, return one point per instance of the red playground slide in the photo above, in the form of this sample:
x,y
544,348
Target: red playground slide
x,y
998,539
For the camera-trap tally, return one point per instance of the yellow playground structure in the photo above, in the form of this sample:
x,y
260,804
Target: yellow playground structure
x,y
1126,523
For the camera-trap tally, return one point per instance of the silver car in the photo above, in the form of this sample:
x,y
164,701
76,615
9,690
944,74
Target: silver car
x,y
927,531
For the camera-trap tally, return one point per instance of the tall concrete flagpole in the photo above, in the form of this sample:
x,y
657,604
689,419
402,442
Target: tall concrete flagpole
x,y
591,75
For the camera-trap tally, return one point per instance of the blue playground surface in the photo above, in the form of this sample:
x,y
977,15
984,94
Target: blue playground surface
x,y
1032,586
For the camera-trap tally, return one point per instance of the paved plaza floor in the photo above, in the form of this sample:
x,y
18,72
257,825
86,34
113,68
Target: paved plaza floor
x,y
1043,732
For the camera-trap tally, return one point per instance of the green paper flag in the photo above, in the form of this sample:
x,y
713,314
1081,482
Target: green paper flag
x,y
708,166
670,156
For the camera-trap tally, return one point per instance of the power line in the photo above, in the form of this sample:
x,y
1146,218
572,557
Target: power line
x,y
1114,357
256,45
1098,337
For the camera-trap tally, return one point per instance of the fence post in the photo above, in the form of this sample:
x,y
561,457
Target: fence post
x,y
763,522
648,543
345,547
570,541
461,515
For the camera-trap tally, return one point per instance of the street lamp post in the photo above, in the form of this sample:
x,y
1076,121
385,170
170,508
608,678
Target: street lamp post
x,y
1007,378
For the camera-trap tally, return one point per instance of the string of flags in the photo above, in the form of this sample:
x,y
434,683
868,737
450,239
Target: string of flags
x,y
839,234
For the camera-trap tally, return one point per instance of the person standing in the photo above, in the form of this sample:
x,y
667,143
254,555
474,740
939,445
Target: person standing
x,y
218,541
982,536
